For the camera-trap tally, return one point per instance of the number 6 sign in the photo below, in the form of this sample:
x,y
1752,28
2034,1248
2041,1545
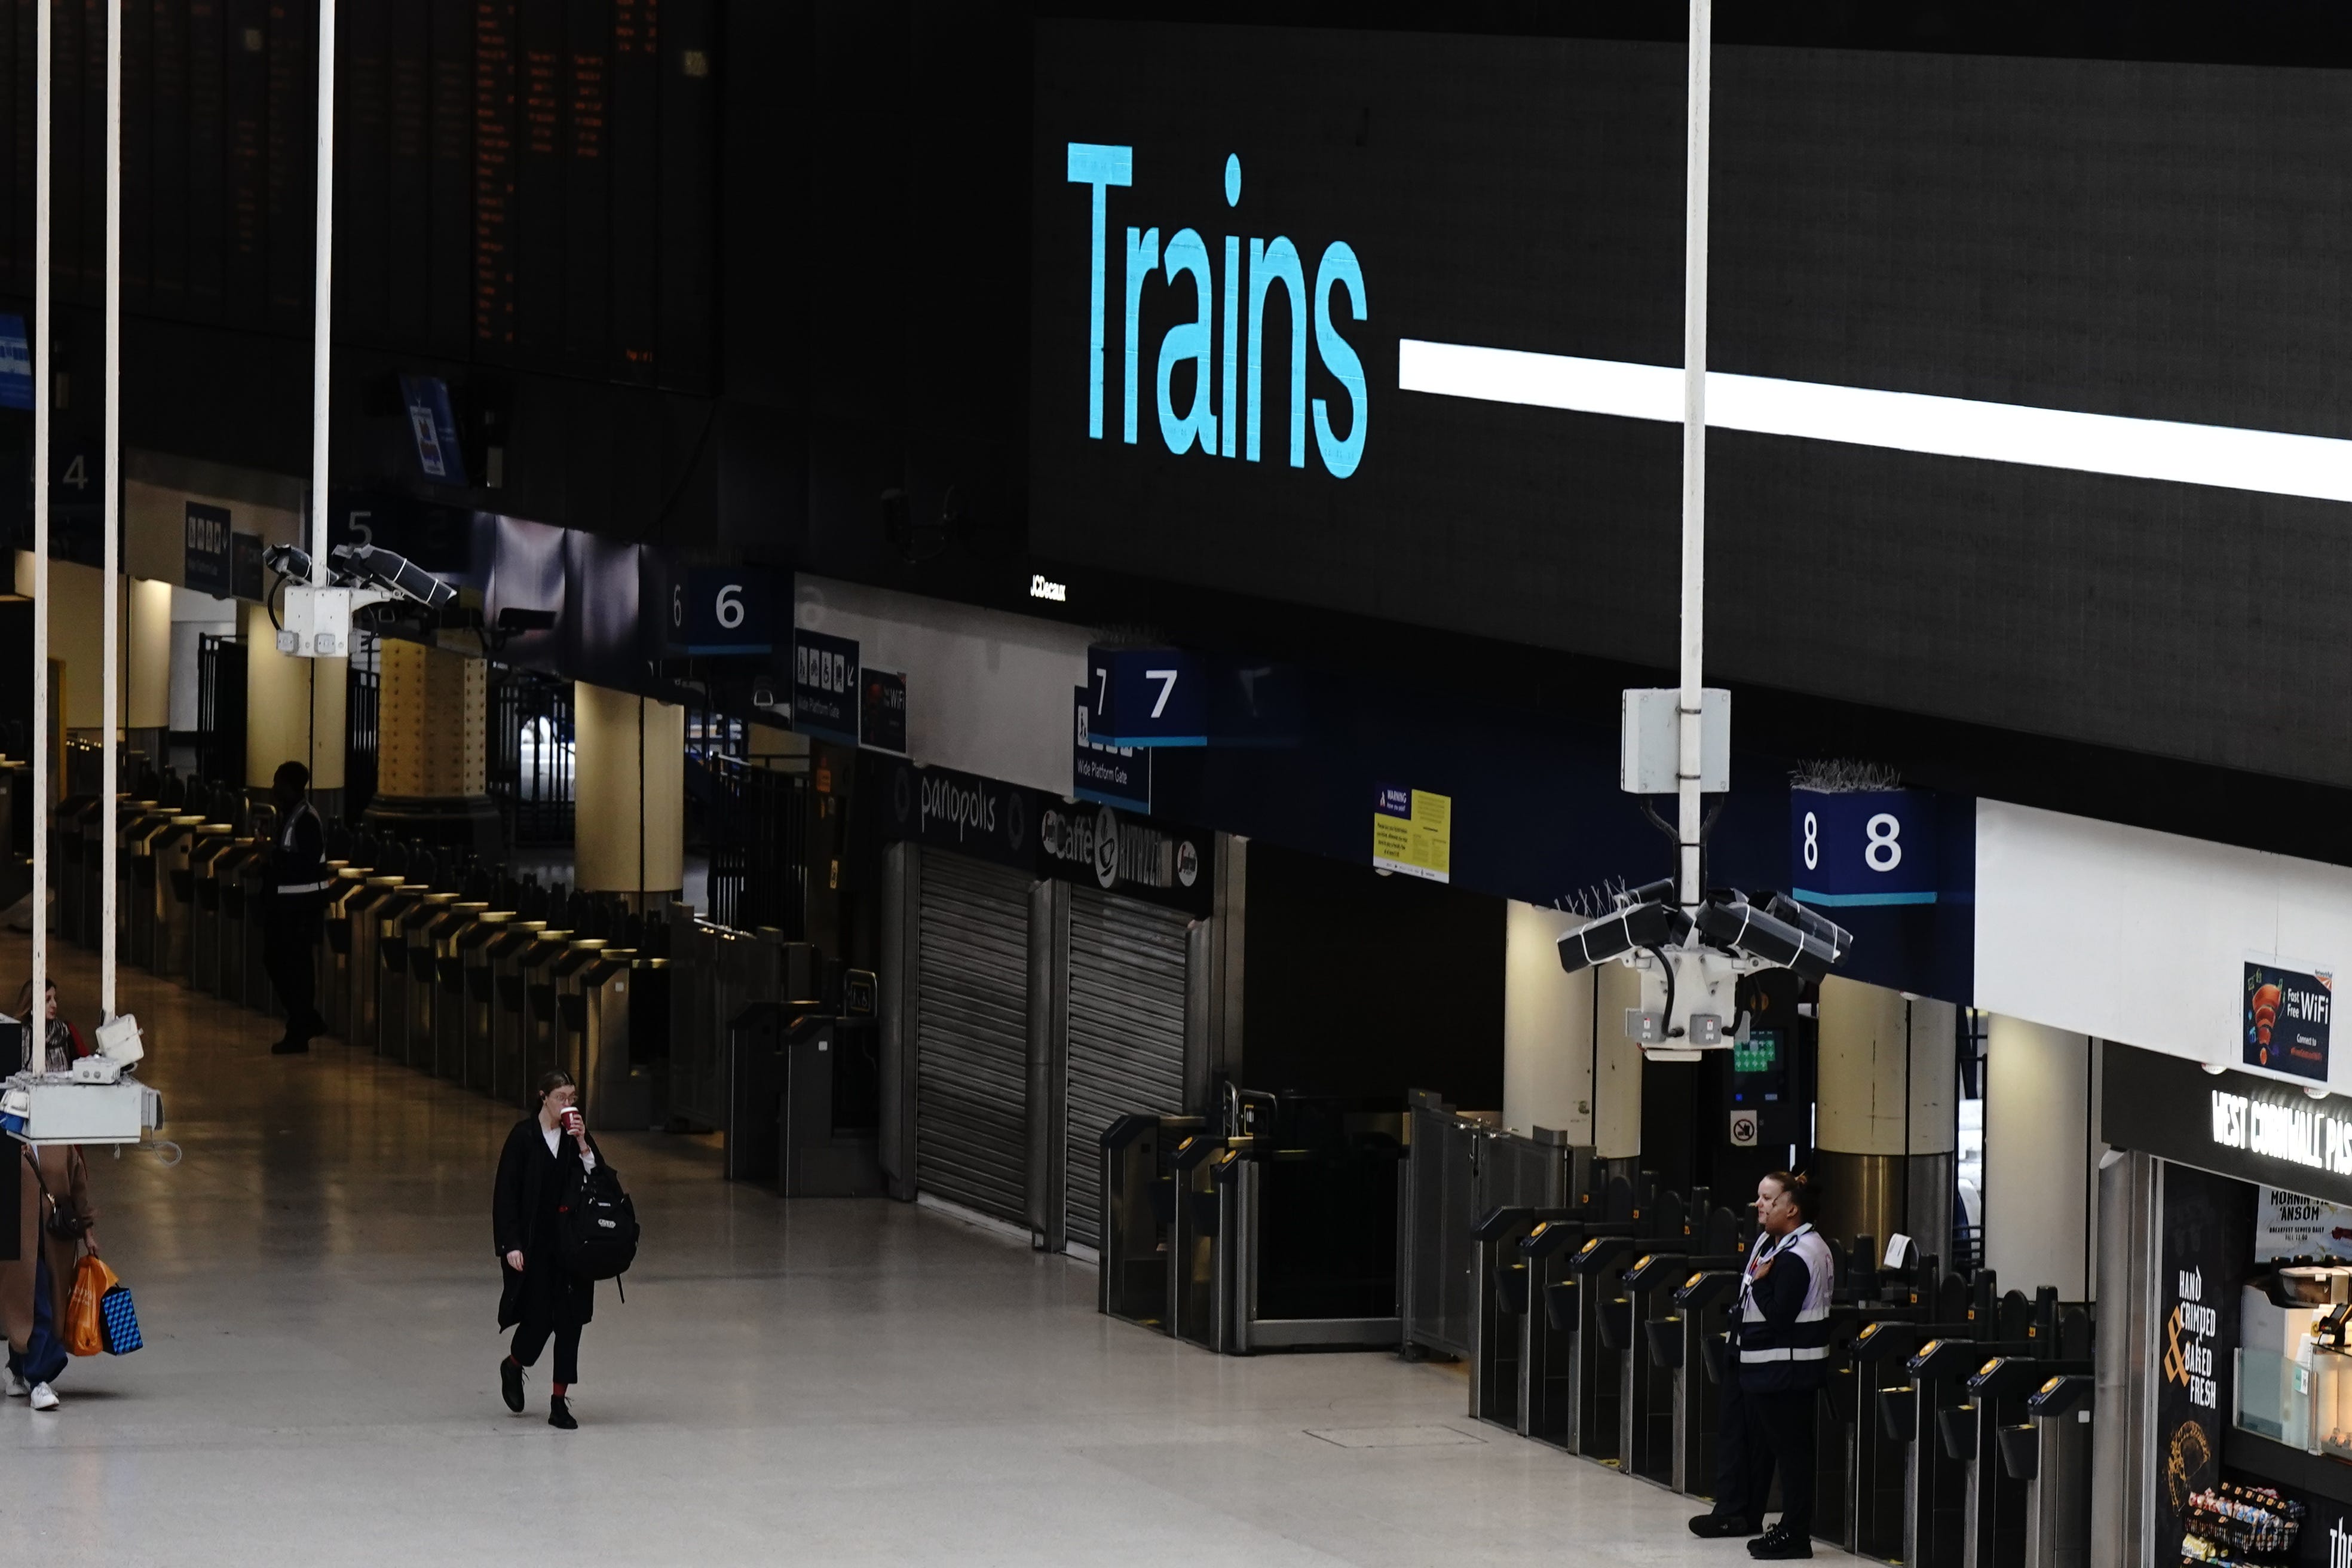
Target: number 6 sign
x,y
1863,847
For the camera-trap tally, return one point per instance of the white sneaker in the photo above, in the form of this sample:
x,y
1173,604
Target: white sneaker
x,y
44,1397
17,1387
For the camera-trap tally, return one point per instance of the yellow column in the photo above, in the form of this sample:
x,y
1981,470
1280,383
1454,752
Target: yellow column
x,y
629,795
431,735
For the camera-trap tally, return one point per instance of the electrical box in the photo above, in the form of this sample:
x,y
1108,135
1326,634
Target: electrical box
x,y
317,622
1646,764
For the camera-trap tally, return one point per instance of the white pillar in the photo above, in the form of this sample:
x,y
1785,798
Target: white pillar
x,y
2041,1156
629,793
1547,1027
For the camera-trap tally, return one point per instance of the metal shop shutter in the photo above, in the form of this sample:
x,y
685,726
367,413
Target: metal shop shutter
x,y
971,1035
1127,1032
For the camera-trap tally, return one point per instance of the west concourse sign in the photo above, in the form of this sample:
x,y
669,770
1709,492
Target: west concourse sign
x,y
2232,1123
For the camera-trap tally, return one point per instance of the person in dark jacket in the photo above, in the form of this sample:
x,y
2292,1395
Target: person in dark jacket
x,y
1780,1345
546,1161
291,918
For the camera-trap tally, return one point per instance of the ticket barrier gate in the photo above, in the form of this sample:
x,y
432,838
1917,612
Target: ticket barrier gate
x,y
363,913
1936,1487
539,1020
446,1056
570,1014
1553,1375
1194,1304
174,906
140,820
416,1044
1503,1306
1138,1277
1647,1412
213,846
477,998
1995,1536
1692,1336
511,958
245,905
2051,1453
335,952
146,891
73,846
391,917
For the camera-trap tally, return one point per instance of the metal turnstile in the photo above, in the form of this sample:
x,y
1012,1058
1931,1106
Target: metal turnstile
x,y
1996,1529
1500,1302
509,955
537,1034
478,995
2050,1452
569,1015
1134,1278
390,916
213,846
334,980
1702,1309
1936,1489
420,930
619,1093
364,972
175,907
246,895
1549,1332
145,891
448,934
1195,1309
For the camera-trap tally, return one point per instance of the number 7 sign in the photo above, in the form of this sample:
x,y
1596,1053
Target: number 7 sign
x,y
1146,696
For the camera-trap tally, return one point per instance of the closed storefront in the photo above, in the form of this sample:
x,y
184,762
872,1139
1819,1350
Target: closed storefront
x,y
971,1034
1126,979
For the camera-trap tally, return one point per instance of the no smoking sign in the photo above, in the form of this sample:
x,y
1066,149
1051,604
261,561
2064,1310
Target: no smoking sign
x,y
1743,1130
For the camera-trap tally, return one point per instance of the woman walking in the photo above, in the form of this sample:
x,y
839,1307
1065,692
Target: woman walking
x,y
547,1159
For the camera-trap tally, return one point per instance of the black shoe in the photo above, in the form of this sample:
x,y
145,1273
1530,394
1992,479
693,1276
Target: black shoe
x,y
559,1415
290,1046
511,1384
1780,1544
1713,1526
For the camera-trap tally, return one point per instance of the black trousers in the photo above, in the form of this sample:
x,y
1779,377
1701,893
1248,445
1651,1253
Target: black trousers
x,y
531,1337
290,944
1758,1433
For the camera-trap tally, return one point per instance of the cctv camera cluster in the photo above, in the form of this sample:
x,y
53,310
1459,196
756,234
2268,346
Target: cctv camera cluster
x,y
317,620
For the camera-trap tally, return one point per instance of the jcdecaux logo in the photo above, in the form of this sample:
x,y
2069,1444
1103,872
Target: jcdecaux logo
x,y
1225,356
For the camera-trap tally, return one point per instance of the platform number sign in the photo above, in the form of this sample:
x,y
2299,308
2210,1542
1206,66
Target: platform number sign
x,y
1146,696
720,610
1851,848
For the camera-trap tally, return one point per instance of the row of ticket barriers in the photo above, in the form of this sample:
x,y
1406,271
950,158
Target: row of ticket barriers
x,y
446,963
1590,1309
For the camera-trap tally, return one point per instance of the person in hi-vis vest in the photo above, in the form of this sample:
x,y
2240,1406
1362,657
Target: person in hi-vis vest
x,y
1778,1357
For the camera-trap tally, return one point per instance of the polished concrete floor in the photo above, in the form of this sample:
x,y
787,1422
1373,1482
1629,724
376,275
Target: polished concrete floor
x,y
810,1383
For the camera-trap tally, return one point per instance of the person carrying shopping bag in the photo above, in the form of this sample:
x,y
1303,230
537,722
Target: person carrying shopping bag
x,y
55,1223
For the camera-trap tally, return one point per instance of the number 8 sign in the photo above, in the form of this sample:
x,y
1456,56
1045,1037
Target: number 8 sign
x,y
1863,847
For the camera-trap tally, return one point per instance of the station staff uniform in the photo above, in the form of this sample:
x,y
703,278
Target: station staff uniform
x,y
290,930
1779,1347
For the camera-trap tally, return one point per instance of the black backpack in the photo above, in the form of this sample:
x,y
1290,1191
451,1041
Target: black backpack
x,y
597,1229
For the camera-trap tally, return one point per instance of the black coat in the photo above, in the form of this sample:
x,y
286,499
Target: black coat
x,y
532,1185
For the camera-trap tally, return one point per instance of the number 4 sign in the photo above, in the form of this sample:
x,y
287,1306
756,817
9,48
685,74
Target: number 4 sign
x,y
1146,696
1862,847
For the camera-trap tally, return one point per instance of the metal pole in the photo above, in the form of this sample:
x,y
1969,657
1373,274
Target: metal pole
x,y
322,302
43,370
110,678
1693,649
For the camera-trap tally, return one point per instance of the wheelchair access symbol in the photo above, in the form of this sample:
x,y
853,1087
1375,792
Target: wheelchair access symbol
x,y
1743,1130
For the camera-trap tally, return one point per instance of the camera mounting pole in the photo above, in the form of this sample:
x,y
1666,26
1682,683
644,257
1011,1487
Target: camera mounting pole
x,y
1687,822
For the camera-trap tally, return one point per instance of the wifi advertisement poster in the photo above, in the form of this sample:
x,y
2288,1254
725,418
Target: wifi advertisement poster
x,y
2284,1018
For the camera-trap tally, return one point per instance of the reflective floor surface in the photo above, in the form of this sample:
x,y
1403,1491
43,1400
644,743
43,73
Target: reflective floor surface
x,y
808,1382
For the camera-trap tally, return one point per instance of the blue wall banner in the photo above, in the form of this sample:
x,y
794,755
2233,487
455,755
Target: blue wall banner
x,y
2285,1016
825,687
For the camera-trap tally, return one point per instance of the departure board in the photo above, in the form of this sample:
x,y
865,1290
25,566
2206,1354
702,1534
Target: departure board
x,y
520,183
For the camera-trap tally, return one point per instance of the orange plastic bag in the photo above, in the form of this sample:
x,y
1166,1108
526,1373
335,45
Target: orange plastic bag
x,y
92,1280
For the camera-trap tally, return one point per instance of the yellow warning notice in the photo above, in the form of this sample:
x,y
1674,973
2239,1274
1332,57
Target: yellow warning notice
x,y
1412,833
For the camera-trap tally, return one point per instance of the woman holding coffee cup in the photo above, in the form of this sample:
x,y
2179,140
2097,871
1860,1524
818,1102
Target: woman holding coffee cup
x,y
547,1158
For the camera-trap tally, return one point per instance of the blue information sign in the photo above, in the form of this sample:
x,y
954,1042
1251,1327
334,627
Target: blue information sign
x,y
433,428
722,610
1863,847
825,687
1104,773
15,363
1146,696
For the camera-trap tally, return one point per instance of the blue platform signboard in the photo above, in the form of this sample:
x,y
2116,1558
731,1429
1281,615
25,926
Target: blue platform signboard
x,y
825,687
1107,775
15,363
1850,847
2286,1018
722,610
207,561
1146,697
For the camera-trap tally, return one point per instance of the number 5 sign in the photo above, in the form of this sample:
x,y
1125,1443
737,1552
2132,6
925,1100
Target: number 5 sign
x,y
1863,847
1146,696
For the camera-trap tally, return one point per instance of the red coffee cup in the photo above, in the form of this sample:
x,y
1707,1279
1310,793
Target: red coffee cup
x,y
572,1118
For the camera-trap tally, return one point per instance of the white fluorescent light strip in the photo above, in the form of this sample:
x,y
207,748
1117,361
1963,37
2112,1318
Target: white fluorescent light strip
x,y
2319,466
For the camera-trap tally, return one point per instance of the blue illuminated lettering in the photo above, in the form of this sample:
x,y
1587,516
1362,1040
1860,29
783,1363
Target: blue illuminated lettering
x,y
1142,259
1189,339
1218,395
1099,167
1339,265
1271,262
